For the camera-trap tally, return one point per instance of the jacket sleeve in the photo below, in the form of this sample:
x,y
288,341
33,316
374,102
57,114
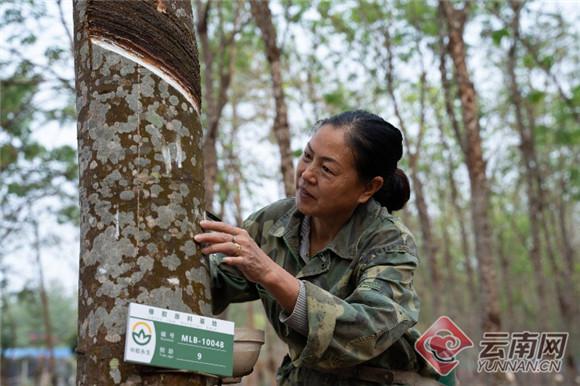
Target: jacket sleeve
x,y
228,284
347,332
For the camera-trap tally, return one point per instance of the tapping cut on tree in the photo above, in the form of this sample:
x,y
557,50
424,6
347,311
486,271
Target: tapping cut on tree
x,y
141,177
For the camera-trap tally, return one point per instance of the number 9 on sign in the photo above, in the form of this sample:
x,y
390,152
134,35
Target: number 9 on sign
x,y
198,356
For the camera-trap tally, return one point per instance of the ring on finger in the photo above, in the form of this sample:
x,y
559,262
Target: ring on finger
x,y
239,247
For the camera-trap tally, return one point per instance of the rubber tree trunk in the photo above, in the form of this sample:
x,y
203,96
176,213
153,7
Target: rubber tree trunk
x,y
263,17
455,194
538,210
454,304
527,148
429,249
141,177
564,214
480,203
507,280
45,309
216,61
457,207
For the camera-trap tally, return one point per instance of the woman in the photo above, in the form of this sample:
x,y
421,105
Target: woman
x,y
333,268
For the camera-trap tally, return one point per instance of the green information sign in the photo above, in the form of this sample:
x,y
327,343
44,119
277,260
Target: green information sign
x,y
178,340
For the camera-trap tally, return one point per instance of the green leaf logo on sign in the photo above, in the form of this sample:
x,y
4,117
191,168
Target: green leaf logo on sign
x,y
139,333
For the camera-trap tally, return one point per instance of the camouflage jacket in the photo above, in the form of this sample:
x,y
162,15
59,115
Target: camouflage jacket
x,y
360,299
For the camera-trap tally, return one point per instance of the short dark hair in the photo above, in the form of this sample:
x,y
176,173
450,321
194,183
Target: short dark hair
x,y
377,147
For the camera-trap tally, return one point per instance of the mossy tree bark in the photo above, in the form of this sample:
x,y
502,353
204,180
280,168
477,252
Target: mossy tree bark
x,y
141,177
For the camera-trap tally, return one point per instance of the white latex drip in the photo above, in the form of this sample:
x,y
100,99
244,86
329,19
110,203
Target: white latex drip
x,y
179,155
117,225
166,153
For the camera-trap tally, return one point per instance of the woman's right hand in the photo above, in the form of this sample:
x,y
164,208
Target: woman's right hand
x,y
241,251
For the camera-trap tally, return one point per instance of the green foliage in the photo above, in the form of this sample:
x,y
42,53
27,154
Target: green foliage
x,y
55,54
324,8
18,90
528,61
38,178
69,214
33,150
337,98
295,10
22,317
536,96
498,35
576,95
8,155
421,15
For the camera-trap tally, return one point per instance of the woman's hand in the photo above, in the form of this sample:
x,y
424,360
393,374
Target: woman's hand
x,y
242,252
240,249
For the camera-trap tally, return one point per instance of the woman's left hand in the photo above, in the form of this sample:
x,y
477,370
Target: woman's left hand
x,y
240,249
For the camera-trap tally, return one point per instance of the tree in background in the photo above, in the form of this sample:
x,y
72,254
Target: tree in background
x,y
281,128
218,62
36,178
21,319
455,19
429,245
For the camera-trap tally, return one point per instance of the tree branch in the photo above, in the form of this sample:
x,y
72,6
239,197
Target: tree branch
x,y
65,26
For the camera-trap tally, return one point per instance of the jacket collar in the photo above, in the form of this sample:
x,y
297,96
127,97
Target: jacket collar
x,y
346,240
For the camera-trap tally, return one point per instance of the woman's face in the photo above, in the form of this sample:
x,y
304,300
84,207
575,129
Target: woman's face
x,y
327,183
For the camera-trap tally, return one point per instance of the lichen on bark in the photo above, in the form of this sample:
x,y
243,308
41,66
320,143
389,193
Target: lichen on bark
x,y
141,186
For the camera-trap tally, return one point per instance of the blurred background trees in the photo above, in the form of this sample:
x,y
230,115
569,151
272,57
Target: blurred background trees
x,y
487,94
